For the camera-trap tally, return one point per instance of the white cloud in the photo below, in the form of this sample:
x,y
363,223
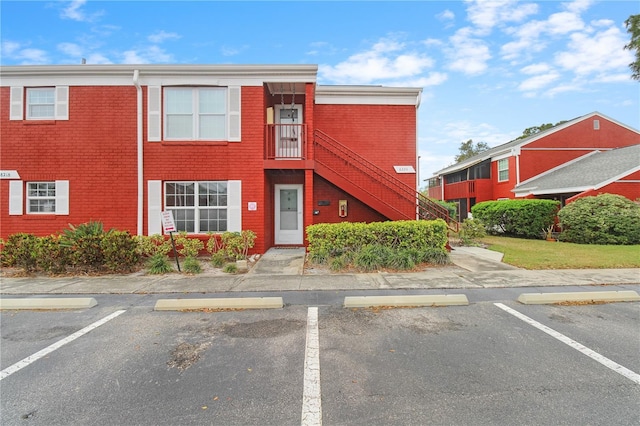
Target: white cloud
x,y
446,15
598,53
535,68
70,49
386,60
149,55
578,6
24,55
73,11
538,82
9,47
98,58
161,36
485,15
467,54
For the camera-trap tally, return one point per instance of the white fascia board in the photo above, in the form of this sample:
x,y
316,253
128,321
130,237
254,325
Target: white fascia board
x,y
116,75
562,190
368,95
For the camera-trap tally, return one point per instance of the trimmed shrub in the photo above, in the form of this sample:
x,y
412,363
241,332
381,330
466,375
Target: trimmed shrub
x,y
231,245
398,244
518,218
21,250
84,241
53,257
602,219
120,252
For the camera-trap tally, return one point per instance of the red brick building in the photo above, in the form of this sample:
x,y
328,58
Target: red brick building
x,y
224,148
581,157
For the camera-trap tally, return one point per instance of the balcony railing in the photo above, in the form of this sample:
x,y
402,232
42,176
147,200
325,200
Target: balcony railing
x,y
285,142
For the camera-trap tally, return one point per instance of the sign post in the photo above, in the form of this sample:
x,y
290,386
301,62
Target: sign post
x,y
169,226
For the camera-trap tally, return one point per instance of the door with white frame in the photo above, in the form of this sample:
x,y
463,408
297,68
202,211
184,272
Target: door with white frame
x,y
288,214
288,133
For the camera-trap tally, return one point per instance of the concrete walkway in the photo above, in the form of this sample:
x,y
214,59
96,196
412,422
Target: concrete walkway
x,y
283,269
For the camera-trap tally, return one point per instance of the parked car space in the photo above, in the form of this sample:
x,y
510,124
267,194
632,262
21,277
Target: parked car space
x,y
473,364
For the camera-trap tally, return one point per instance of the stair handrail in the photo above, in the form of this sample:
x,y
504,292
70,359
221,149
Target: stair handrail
x,y
410,194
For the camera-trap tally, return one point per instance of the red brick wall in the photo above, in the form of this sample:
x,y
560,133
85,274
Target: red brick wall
x,y
220,161
356,211
95,150
384,134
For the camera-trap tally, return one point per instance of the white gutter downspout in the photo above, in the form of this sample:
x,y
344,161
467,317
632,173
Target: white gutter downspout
x,y
418,99
136,75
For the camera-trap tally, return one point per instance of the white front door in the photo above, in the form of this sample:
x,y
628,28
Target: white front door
x,y
288,140
288,217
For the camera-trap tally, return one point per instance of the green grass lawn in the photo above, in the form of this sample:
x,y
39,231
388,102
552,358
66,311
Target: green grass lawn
x,y
541,254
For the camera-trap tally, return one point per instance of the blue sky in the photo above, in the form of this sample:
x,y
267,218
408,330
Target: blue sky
x,y
489,69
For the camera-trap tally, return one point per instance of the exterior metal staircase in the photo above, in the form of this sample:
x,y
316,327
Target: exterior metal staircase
x,y
369,183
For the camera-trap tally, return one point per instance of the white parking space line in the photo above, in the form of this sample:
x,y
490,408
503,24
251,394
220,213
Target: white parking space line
x,y
311,395
46,351
635,377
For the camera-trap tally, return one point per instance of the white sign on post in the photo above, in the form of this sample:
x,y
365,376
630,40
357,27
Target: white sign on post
x,y
168,224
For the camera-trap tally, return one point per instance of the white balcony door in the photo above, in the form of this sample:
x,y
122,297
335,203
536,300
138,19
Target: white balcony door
x,y
288,214
288,138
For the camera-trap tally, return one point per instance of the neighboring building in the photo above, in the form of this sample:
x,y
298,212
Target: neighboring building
x,y
584,156
225,148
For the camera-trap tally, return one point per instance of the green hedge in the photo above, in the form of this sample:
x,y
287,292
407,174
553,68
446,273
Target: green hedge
x,y
417,241
603,219
518,218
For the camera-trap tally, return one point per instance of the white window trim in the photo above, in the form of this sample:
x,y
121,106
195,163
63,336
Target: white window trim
x,y
155,203
18,99
17,198
506,161
196,206
156,117
196,114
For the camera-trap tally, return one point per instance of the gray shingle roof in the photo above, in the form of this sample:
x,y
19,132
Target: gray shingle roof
x,y
590,171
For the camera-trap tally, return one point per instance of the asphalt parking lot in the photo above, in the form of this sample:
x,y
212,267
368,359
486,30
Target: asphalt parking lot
x,y
476,364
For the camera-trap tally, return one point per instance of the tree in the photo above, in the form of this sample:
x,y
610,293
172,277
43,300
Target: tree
x,y
530,131
468,149
633,28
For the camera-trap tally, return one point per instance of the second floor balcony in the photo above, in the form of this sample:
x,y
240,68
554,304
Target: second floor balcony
x,y
286,142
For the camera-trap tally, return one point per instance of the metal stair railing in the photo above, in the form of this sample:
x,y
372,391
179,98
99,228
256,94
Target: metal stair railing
x,y
352,166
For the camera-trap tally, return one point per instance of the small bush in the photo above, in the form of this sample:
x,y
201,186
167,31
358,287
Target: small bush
x,y
84,241
153,244
21,250
53,257
191,265
471,231
230,268
188,247
159,264
603,219
338,263
218,260
120,252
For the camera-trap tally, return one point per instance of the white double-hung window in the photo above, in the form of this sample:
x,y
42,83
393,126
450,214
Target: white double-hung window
x,y
41,103
198,207
195,113
41,197
503,170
